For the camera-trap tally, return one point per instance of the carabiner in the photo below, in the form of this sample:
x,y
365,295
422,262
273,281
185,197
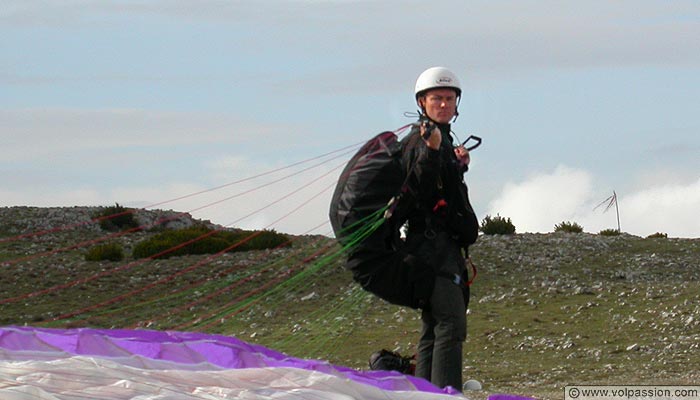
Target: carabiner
x,y
474,146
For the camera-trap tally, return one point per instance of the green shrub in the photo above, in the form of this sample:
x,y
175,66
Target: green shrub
x,y
267,239
570,227
202,240
609,232
658,235
105,252
497,225
116,218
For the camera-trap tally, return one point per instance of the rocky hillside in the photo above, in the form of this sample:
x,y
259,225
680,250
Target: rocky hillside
x,y
547,310
22,220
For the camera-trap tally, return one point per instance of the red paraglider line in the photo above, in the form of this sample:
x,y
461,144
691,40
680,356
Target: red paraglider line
x,y
297,268
257,290
204,261
164,252
227,271
227,288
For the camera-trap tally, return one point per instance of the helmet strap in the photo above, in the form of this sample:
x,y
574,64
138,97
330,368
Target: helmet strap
x,y
459,99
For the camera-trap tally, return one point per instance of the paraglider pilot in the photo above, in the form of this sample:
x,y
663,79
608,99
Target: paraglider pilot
x,y
441,225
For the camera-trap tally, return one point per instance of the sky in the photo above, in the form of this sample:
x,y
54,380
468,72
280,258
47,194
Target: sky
x,y
244,112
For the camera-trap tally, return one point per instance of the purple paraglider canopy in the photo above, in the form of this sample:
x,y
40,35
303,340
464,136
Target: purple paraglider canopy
x,y
97,363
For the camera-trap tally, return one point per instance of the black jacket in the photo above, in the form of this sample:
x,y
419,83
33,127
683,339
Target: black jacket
x,y
441,196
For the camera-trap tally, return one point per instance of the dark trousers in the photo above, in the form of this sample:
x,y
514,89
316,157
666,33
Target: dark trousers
x,y
439,357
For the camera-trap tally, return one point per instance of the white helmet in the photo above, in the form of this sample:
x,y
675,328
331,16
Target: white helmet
x,y
437,77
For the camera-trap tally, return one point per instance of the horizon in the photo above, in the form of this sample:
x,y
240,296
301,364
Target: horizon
x,y
604,232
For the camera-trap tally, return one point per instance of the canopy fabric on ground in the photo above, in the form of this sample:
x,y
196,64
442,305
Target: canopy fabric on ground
x,y
37,363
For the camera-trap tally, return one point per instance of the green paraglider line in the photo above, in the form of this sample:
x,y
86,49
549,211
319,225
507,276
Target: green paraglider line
x,y
367,225
181,294
251,297
331,335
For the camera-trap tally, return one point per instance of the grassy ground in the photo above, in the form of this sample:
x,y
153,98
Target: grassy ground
x,y
547,310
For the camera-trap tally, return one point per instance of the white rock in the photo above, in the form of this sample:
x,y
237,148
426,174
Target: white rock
x,y
472,384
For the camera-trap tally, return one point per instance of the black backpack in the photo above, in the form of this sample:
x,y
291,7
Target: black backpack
x,y
367,209
368,190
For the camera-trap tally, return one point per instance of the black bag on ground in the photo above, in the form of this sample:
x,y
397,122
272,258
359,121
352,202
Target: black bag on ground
x,y
385,360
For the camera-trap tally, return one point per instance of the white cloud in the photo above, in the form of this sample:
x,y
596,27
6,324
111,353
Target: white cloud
x,y
671,209
544,200
566,194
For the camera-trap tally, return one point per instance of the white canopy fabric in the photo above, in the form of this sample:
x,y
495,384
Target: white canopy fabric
x,y
80,377
40,364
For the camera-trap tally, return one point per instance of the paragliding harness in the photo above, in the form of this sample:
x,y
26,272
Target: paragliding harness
x,y
368,207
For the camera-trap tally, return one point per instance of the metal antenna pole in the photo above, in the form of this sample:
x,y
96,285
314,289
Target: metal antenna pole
x,y
617,210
